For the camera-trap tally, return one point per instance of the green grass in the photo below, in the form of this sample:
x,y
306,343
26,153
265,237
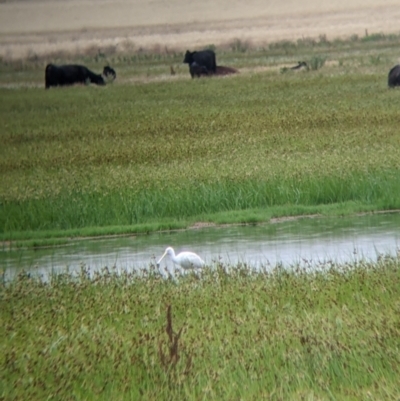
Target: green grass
x,y
164,153
242,335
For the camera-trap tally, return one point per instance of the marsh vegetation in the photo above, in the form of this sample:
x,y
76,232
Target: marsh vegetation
x,y
232,334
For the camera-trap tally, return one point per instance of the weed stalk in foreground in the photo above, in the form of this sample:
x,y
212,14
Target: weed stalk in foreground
x,y
170,360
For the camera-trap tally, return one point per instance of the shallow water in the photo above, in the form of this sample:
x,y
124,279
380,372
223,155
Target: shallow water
x,y
305,242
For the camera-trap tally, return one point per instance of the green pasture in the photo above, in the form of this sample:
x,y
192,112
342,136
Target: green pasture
x,y
157,151
233,334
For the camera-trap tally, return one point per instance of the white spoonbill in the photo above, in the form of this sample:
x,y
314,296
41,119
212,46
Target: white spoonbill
x,y
186,260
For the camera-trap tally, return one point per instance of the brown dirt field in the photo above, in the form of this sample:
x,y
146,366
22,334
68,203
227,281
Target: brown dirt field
x,y
40,27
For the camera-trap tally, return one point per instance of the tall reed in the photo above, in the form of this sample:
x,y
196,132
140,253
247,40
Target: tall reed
x,y
77,210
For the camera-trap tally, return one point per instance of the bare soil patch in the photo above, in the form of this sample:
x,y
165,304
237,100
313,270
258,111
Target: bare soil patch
x,y
45,26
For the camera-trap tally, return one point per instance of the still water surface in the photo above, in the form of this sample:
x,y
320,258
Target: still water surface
x,y
307,242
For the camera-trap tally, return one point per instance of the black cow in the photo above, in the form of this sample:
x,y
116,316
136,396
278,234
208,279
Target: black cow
x,y
196,69
204,58
394,76
69,75
109,72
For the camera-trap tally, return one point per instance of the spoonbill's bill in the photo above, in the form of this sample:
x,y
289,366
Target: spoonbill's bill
x,y
185,260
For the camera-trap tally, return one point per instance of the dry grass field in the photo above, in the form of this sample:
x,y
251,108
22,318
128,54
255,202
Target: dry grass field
x,y
42,27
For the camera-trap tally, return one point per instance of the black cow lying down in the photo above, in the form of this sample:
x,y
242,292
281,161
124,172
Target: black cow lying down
x,y
394,76
222,70
109,72
70,74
